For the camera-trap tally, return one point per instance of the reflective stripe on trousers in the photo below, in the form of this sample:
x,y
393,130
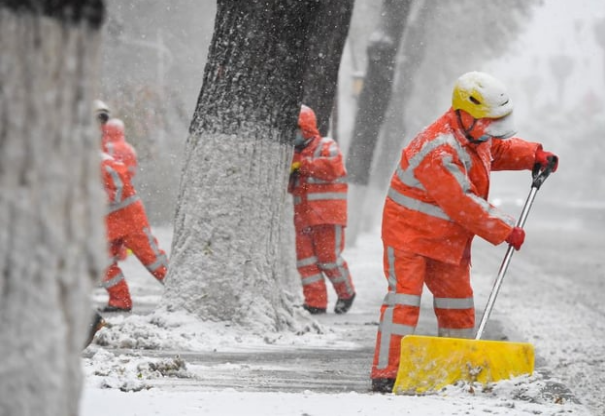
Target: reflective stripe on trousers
x,y
319,253
406,273
113,280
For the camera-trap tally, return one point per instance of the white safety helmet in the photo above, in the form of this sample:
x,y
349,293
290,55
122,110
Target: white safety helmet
x,y
482,96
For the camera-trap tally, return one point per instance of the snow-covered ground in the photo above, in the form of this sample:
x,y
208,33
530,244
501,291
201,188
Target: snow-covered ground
x,y
153,364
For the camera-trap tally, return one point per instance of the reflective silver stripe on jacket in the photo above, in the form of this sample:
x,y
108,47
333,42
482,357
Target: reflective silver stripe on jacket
x,y
407,176
115,206
332,148
316,181
117,182
332,153
320,196
111,149
416,205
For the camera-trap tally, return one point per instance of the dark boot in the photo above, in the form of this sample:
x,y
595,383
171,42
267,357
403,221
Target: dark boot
x,y
313,310
343,305
111,308
383,385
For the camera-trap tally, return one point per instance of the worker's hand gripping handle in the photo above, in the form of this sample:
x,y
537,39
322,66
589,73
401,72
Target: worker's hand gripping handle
x,y
539,176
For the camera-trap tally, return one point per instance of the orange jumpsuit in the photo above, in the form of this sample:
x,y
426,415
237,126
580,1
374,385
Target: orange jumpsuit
x,y
319,190
115,145
436,204
127,225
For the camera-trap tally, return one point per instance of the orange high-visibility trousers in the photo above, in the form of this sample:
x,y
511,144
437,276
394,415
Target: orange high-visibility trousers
x,y
145,247
406,274
318,253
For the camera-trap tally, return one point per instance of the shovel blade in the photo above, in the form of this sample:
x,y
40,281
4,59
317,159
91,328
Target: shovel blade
x,y
430,363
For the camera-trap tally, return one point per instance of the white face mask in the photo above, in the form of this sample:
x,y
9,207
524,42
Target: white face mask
x,y
502,128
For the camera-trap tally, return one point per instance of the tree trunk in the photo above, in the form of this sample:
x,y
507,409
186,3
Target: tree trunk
x,y
51,201
327,37
377,88
395,128
225,263
372,105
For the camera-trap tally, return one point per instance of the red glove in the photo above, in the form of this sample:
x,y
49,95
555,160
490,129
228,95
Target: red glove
x,y
516,237
544,158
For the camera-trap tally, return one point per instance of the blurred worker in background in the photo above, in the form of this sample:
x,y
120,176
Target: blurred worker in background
x,y
127,226
113,142
113,139
436,204
115,145
318,186
126,219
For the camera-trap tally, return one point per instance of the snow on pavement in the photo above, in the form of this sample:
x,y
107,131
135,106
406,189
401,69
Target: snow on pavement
x,y
139,370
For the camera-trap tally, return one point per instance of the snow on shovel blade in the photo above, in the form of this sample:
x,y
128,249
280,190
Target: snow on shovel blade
x,y
428,364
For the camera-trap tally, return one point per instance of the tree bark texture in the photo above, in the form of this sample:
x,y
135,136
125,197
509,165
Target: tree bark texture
x,y
377,89
395,128
226,246
51,201
327,37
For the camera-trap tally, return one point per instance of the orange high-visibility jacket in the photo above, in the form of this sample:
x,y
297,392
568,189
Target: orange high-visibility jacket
x,y
437,200
115,145
319,187
125,210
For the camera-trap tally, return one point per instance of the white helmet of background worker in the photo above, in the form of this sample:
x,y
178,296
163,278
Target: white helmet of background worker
x,y
101,111
484,97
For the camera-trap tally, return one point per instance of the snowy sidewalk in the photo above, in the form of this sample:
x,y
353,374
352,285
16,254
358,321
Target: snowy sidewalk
x,y
221,373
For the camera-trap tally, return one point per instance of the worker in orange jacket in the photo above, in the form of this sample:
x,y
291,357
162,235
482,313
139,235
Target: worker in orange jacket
x,y
436,204
319,189
127,225
114,144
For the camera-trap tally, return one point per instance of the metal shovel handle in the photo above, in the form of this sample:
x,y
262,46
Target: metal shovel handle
x,y
538,178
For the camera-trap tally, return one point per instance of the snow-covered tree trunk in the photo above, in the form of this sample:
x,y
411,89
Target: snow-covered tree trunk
x,y
411,55
226,249
51,201
327,37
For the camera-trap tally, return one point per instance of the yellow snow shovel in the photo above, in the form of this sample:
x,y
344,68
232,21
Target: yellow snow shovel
x,y
428,364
